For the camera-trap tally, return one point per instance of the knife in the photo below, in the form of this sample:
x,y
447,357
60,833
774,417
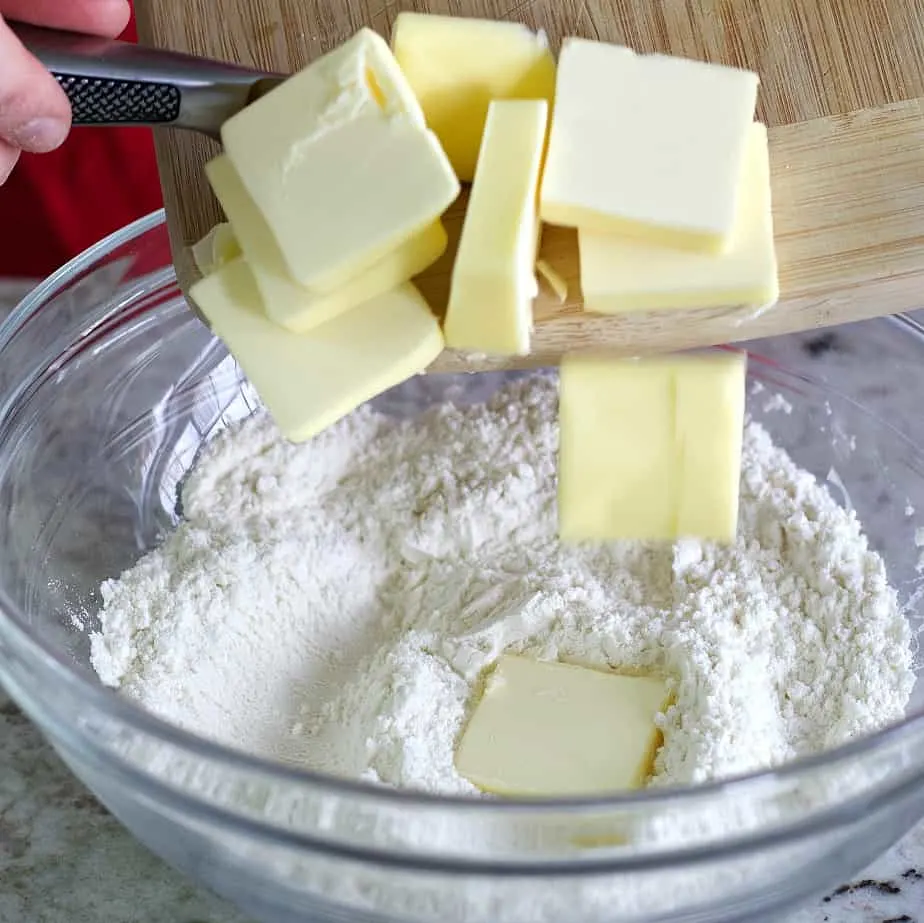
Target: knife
x,y
118,83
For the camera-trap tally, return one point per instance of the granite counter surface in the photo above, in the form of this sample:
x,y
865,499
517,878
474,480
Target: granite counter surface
x,y
64,859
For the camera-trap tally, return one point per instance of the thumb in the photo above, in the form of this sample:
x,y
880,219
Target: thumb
x,y
34,112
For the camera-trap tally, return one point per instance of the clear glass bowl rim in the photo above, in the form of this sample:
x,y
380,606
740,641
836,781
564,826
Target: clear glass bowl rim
x,y
120,709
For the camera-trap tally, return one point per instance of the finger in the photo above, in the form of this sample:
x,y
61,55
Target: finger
x,y
95,17
34,112
8,157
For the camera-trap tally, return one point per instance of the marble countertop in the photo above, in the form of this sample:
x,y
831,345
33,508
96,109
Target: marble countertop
x,y
64,859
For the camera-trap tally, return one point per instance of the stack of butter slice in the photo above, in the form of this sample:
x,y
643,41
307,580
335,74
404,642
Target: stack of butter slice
x,y
333,187
658,163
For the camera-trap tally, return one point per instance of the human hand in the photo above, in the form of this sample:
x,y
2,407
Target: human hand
x,y
35,114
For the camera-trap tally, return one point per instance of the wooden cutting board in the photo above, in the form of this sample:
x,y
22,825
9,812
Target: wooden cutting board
x,y
842,93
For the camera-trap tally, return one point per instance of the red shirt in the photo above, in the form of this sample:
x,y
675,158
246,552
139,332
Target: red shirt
x,y
56,205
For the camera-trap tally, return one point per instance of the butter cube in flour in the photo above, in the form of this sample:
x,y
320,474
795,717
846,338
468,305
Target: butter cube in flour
x,y
619,274
285,301
457,66
554,729
310,380
340,163
493,279
650,449
647,146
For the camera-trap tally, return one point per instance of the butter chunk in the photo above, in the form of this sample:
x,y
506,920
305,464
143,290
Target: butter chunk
x,y
218,247
616,466
493,279
457,66
285,301
340,163
556,281
650,449
709,422
556,730
620,275
647,146
309,381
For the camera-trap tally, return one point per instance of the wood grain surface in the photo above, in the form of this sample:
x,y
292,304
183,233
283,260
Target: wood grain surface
x,y
842,90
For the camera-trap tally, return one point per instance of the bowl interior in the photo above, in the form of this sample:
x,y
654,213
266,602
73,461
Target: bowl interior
x,y
111,386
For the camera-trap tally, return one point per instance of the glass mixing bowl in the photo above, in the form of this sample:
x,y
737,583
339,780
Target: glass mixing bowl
x,y
109,386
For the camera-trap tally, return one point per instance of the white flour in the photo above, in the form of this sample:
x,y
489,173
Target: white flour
x,y
333,604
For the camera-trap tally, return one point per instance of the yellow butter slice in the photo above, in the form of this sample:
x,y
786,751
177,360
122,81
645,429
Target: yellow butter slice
x,y
458,65
616,464
310,380
647,146
218,247
556,281
555,730
340,163
493,280
619,274
285,301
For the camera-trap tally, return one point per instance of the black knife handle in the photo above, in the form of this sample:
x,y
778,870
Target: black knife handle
x,y
102,101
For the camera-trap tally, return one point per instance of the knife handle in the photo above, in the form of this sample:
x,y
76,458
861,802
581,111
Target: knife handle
x,y
104,101
118,83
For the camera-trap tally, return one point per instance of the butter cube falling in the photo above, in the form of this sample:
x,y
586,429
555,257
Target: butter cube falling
x,y
549,729
650,449
616,456
708,427
340,163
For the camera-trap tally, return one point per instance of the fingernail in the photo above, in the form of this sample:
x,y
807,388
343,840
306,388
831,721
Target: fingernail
x,y
6,167
39,135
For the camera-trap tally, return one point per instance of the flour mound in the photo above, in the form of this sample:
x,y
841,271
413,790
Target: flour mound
x,y
334,604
